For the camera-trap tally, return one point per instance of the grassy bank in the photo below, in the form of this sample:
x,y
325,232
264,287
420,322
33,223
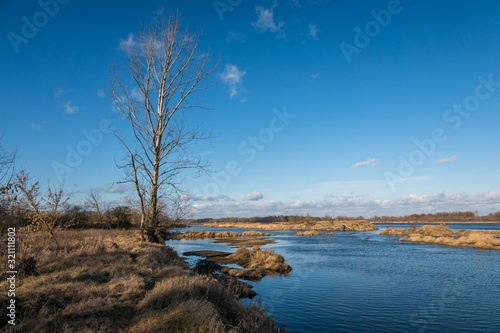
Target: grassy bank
x,y
108,281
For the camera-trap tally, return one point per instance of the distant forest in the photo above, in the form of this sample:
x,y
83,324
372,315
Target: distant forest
x,y
437,217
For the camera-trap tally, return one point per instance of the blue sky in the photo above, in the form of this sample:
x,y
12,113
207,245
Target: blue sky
x,y
327,107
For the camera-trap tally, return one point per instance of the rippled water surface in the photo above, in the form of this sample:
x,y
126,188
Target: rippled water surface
x,y
365,282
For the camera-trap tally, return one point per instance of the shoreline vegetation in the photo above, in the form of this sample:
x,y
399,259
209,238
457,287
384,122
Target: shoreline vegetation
x,y
255,263
443,235
302,226
97,280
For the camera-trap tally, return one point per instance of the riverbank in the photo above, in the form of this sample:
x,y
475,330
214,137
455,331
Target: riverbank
x,y
109,281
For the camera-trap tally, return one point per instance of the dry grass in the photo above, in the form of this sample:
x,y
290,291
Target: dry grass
x,y
195,234
475,239
443,235
257,263
313,233
108,281
425,230
320,225
256,258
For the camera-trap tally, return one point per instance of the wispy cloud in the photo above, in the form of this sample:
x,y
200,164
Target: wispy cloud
x,y
113,189
447,160
58,92
265,21
187,197
368,163
36,127
101,93
313,76
254,196
137,95
371,182
68,109
159,12
235,36
127,44
313,31
118,188
232,76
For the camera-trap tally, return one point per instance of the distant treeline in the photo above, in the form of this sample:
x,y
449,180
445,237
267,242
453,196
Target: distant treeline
x,y
441,217
436,217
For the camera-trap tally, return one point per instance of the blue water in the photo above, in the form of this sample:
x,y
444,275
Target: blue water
x,y
365,282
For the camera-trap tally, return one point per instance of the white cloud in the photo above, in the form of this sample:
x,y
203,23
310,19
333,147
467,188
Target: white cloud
x,y
68,109
485,203
232,76
313,31
369,162
447,160
254,196
101,93
129,43
265,20
36,127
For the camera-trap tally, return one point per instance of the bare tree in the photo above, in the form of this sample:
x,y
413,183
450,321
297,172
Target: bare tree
x,y
94,201
166,69
43,213
6,166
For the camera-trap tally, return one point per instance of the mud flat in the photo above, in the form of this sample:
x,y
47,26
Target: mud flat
x,y
443,235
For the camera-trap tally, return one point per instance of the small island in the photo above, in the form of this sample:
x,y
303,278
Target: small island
x,y
443,235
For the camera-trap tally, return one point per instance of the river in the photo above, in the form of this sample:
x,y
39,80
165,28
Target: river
x,y
366,282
